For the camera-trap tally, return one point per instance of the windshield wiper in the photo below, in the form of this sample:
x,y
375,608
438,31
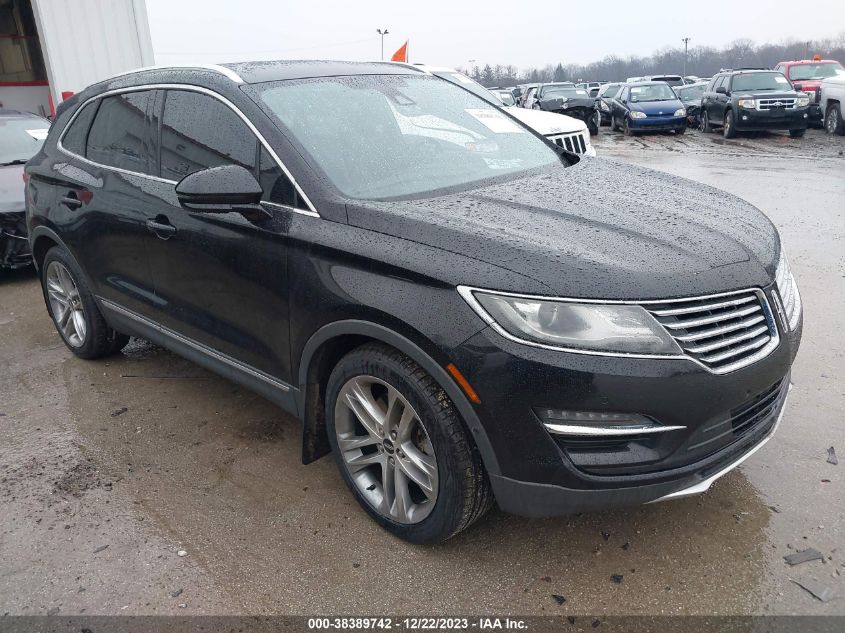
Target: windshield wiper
x,y
17,161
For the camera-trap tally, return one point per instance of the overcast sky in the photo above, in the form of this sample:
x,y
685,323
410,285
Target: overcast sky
x,y
520,32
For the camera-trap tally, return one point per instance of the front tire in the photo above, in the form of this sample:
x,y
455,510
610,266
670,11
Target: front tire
x,y
729,131
72,307
402,448
833,122
614,126
681,130
797,133
705,123
626,129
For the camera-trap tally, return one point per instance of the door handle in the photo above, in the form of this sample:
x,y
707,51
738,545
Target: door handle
x,y
71,201
163,229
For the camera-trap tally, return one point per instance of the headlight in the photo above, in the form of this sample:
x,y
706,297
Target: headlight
x,y
747,103
603,106
803,101
680,112
788,290
620,329
635,114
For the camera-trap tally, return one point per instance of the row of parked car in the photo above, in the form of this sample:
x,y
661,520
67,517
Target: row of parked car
x,y
792,96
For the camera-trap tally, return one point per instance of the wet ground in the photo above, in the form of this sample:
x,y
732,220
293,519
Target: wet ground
x,y
110,469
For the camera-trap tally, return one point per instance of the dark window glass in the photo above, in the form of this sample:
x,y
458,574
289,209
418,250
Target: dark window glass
x,y
77,134
118,136
277,187
198,132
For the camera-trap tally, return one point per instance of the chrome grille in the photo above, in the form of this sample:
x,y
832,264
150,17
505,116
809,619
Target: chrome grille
x,y
574,143
776,104
723,332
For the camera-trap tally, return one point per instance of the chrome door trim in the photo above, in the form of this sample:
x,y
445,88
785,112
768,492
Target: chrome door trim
x,y
204,349
311,211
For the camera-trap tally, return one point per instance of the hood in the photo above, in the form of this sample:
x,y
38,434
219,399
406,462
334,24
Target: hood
x,y
11,188
641,235
768,94
546,123
667,107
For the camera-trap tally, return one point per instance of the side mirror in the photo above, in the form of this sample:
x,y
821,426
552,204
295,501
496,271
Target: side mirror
x,y
218,189
721,90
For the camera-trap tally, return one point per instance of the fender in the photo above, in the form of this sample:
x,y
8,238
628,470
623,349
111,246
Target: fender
x,y
412,350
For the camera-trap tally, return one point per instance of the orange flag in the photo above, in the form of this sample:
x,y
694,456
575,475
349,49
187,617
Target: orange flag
x,y
402,54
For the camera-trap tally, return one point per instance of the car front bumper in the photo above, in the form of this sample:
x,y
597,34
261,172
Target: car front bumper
x,y
749,120
658,123
544,474
14,245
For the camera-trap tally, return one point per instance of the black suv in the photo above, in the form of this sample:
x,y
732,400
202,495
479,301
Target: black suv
x,y
753,100
432,288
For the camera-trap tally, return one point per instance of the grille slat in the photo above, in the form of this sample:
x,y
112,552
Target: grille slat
x,y
723,333
714,318
731,340
723,329
574,142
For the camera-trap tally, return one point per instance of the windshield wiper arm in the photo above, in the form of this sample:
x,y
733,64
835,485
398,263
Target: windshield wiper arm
x,y
17,161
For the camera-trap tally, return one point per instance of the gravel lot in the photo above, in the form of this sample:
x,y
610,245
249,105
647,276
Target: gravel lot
x,y
109,469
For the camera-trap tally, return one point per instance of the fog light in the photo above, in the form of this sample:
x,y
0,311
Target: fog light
x,y
744,117
597,423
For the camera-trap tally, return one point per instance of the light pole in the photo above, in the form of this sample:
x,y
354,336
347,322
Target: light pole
x,y
685,40
382,32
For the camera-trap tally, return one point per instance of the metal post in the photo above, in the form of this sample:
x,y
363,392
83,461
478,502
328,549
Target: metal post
x,y
382,32
685,40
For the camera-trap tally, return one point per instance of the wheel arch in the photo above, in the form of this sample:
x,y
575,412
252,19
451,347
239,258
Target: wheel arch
x,y
330,343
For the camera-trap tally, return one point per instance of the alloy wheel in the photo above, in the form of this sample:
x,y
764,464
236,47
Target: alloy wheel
x,y
386,450
66,304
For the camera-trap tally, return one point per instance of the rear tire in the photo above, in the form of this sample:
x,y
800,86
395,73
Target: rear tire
x,y
402,448
729,131
797,133
73,309
833,122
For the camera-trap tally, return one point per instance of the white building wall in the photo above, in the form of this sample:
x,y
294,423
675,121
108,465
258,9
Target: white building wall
x,y
86,41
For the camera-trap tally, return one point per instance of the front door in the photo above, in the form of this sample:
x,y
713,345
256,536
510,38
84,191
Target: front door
x,y
221,279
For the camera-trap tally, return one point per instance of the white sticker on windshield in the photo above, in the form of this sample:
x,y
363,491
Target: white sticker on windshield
x,y
781,79
493,120
38,135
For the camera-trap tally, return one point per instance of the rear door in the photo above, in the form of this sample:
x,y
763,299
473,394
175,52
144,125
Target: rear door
x,y
221,279
103,195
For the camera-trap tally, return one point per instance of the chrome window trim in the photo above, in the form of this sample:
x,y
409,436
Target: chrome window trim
x,y
223,358
311,211
467,293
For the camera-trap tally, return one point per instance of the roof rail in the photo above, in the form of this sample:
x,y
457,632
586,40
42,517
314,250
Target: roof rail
x,y
227,72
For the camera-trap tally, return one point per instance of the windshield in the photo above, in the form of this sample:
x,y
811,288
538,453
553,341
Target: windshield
x,y
382,136
609,90
20,137
556,92
814,71
654,92
506,97
760,81
693,92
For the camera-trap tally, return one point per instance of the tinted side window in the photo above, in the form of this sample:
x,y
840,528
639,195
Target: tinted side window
x,y
198,132
119,135
277,187
76,135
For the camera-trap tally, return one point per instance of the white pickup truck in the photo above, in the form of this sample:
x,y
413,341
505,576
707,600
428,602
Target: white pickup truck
x,y
832,102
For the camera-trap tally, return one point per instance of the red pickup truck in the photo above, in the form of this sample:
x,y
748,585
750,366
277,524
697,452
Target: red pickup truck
x,y
806,76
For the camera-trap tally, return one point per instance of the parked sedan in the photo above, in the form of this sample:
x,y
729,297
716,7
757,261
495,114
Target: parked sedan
x,y
21,136
690,96
566,98
605,99
441,298
648,106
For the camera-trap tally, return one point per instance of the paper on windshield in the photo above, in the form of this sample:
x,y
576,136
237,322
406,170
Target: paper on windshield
x,y
494,121
38,135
